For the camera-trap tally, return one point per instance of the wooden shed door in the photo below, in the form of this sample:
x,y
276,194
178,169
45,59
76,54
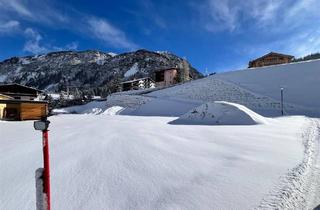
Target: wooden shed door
x,y
11,113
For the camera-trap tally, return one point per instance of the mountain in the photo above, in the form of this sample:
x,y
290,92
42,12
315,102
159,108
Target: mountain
x,y
91,70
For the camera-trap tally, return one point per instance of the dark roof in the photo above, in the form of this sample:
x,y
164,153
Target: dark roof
x,y
273,53
18,89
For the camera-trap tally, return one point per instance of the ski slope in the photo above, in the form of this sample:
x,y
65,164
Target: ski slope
x,y
135,162
301,82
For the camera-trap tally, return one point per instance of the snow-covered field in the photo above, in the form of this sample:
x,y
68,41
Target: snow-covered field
x,y
134,162
213,143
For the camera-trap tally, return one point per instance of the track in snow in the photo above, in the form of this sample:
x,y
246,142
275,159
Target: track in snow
x,y
300,187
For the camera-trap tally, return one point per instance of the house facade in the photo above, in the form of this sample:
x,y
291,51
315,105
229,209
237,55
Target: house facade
x,y
269,59
166,77
17,102
170,76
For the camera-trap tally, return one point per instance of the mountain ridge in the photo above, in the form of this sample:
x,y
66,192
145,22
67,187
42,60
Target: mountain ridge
x,y
89,70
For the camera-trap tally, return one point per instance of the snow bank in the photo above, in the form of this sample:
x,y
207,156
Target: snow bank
x,y
220,113
94,107
114,105
114,110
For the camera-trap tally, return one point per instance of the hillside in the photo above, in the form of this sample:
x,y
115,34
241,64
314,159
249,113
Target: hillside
x,y
299,80
89,70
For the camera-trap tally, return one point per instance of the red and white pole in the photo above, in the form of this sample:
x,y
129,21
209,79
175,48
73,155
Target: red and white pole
x,y
46,166
43,174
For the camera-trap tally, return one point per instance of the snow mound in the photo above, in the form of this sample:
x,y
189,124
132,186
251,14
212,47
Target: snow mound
x,y
114,110
220,113
94,107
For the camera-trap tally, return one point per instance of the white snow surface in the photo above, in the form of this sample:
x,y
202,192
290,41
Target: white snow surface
x,y
300,81
114,110
134,162
220,113
134,69
94,107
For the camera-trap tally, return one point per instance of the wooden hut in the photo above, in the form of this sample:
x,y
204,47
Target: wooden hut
x,y
17,103
269,59
13,109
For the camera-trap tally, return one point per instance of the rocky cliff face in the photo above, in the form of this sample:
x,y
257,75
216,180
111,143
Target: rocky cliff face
x,y
85,70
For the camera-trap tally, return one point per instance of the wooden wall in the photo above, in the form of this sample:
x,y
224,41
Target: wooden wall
x,y
269,60
25,110
33,111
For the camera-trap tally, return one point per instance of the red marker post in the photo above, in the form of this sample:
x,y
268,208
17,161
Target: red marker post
x,y
43,174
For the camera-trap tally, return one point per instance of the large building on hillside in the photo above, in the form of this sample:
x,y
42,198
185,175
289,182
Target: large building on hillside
x,y
19,102
170,76
163,77
269,59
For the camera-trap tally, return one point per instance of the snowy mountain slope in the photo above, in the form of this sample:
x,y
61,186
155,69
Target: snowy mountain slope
x,y
90,70
151,164
301,82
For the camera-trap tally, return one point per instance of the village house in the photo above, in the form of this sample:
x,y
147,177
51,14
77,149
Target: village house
x,y
170,76
19,102
162,78
166,77
137,84
269,59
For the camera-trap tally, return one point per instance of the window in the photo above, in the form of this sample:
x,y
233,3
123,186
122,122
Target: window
x,y
159,76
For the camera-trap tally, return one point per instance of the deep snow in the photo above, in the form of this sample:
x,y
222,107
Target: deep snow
x,y
301,82
133,162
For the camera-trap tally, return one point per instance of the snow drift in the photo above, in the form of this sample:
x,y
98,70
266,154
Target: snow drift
x,y
220,113
114,110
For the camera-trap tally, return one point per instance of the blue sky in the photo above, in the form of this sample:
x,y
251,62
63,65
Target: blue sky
x,y
217,35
